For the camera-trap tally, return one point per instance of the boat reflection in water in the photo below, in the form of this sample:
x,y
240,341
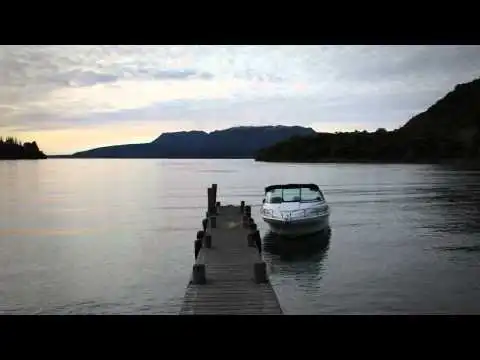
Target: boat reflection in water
x,y
296,268
311,247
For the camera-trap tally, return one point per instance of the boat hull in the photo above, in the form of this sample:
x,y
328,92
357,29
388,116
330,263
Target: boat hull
x,y
298,227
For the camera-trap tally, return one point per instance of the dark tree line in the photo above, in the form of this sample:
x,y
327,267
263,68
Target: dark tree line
x,y
447,130
12,148
379,146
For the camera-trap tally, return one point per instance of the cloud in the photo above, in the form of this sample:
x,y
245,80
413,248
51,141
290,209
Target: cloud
x,y
79,78
53,87
88,78
179,74
386,109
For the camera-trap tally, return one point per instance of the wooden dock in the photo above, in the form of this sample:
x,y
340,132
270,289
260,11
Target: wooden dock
x,y
229,275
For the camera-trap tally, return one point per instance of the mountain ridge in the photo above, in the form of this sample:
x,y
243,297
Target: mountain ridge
x,y
233,142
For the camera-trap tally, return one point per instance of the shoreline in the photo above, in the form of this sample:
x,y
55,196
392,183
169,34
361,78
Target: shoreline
x,y
475,163
23,158
470,163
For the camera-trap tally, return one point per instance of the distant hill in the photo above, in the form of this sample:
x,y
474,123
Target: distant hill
x,y
447,131
13,149
235,142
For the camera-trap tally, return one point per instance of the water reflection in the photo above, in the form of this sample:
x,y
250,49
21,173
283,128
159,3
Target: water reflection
x,y
301,256
454,209
397,230
297,267
307,247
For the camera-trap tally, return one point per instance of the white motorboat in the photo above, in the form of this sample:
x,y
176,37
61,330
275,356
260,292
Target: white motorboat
x,y
295,209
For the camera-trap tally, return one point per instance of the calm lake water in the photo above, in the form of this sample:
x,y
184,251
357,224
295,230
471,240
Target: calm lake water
x,y
116,236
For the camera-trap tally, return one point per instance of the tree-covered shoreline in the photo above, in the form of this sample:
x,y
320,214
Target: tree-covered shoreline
x,y
13,149
447,132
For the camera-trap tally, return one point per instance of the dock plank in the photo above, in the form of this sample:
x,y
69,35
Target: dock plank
x,y
230,287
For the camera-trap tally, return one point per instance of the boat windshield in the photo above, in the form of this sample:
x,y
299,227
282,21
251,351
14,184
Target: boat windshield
x,y
304,194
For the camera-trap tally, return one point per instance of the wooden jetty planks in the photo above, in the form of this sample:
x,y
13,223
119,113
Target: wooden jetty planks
x,y
231,286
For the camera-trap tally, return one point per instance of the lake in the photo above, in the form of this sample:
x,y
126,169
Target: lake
x,y
107,236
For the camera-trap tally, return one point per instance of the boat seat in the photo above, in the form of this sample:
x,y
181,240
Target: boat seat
x,y
296,198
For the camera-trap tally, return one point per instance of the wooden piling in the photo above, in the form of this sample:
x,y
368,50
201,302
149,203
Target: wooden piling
x,y
210,201
213,221
260,272
198,274
214,195
251,235
207,240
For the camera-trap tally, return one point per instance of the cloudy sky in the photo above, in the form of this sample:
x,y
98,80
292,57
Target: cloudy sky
x,y
71,98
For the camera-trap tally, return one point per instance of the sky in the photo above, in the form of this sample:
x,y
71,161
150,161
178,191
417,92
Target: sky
x,y
76,97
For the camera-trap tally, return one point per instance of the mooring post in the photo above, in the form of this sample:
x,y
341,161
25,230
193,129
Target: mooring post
x,y
197,246
251,234
213,221
199,275
210,201
260,272
214,199
258,241
207,240
242,206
